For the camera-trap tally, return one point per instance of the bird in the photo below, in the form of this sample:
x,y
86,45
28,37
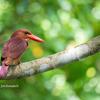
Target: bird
x,y
15,47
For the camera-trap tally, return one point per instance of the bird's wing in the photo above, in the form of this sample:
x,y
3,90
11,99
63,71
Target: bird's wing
x,y
14,47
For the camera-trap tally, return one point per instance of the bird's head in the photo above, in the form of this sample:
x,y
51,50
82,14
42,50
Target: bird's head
x,y
25,35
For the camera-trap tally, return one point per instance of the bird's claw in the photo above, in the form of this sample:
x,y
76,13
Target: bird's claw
x,y
19,63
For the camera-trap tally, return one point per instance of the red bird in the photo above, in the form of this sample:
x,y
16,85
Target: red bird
x,y
15,47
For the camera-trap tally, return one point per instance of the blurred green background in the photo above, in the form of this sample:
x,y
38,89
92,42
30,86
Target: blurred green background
x,y
62,24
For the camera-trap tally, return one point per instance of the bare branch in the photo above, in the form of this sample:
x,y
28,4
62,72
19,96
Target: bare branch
x,y
53,61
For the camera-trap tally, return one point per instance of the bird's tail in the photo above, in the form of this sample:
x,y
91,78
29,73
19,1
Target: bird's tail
x,y
3,69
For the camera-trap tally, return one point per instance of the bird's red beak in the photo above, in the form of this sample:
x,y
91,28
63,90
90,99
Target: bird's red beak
x,y
35,38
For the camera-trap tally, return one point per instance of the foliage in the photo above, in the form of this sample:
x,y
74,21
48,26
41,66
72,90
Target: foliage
x,y
62,24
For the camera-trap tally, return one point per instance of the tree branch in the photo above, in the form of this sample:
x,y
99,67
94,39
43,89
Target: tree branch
x,y
53,61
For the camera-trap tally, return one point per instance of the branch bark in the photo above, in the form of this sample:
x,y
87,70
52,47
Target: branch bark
x,y
53,61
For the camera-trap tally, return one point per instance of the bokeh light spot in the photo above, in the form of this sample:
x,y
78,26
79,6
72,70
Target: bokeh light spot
x,y
87,87
37,19
97,89
57,26
59,80
96,13
56,92
64,16
91,72
65,5
49,85
81,35
37,51
34,7
53,33
78,83
46,24
74,23
93,82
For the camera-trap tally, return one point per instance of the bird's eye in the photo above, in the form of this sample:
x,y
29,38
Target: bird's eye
x,y
26,32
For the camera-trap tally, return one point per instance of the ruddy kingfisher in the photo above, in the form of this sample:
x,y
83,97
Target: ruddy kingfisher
x,y
15,47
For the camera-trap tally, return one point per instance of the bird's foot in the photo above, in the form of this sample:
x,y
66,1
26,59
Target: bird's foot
x,y
19,63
